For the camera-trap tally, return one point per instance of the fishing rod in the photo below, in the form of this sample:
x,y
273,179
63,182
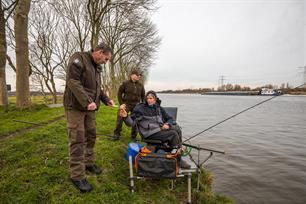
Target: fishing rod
x,y
197,134
105,135
202,148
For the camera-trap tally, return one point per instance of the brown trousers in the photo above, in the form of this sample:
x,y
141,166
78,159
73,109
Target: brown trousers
x,y
82,138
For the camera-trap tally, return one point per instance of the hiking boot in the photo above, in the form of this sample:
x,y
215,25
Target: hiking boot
x,y
133,139
185,165
82,185
94,169
116,137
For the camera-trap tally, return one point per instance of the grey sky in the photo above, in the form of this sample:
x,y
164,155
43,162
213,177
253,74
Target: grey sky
x,y
250,42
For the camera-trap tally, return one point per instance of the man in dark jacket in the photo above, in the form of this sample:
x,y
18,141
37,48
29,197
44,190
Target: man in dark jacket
x,y
81,99
130,93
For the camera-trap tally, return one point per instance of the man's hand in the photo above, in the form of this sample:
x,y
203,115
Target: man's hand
x,y
165,126
122,113
123,106
92,106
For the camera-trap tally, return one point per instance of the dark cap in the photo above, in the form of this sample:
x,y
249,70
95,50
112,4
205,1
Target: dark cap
x,y
152,93
135,72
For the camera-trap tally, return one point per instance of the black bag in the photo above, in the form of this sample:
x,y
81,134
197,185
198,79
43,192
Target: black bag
x,y
156,165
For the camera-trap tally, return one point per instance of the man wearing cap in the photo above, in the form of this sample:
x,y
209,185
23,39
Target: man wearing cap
x,y
130,93
81,99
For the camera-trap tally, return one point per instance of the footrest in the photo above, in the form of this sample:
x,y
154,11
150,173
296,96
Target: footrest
x,y
152,141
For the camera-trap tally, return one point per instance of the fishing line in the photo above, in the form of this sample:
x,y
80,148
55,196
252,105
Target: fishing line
x,y
236,115
32,123
59,125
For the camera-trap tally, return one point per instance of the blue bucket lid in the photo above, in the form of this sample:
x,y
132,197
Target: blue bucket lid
x,y
134,146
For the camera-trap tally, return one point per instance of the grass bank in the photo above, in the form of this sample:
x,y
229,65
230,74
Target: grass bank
x,y
34,165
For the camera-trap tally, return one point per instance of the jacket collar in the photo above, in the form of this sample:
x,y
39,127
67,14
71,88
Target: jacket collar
x,y
133,81
98,67
155,105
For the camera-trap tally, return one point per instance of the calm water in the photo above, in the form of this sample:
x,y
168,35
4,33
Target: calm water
x,y
266,146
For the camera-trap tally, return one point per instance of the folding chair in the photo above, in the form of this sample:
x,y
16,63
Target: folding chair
x,y
172,111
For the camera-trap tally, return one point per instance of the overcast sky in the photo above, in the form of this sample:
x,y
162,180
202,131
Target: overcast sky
x,y
249,42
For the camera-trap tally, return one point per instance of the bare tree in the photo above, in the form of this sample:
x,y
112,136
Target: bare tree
x,y
6,9
75,18
123,24
49,48
3,89
22,54
133,36
67,45
38,84
73,31
97,11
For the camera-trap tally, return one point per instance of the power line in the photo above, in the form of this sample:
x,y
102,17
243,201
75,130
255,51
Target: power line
x,y
304,78
221,80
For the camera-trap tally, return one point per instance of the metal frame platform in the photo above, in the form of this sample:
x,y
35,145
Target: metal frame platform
x,y
181,173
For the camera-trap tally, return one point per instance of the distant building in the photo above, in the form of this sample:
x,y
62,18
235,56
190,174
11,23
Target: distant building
x,y
8,87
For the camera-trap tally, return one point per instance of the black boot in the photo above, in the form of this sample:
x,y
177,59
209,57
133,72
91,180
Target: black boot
x,y
116,136
82,185
133,138
94,169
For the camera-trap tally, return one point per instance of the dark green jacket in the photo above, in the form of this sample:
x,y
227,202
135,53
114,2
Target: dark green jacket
x,y
83,82
131,93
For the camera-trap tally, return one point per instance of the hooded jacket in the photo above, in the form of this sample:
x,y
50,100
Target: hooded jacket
x,y
148,119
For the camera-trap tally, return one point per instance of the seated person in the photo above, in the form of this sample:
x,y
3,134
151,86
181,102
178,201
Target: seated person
x,y
153,122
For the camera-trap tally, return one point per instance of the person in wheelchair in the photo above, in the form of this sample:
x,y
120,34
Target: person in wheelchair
x,y
154,123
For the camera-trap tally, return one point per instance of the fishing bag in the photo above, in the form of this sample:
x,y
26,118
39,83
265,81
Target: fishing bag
x,y
156,165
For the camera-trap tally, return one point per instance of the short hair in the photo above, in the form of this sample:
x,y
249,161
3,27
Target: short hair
x,y
136,72
104,47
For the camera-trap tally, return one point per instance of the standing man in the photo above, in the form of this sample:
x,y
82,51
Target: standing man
x,y
81,99
130,93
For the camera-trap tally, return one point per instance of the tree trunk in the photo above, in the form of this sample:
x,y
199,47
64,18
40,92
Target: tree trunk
x,y
22,54
113,89
3,89
54,93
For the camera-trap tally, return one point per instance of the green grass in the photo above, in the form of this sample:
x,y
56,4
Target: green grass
x,y
34,166
37,114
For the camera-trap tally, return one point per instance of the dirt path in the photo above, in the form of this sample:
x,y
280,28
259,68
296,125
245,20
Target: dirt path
x,y
28,129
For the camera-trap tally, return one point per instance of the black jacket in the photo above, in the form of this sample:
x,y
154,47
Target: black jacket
x,y
131,93
148,119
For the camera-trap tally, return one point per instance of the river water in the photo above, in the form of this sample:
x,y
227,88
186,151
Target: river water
x,y
265,159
